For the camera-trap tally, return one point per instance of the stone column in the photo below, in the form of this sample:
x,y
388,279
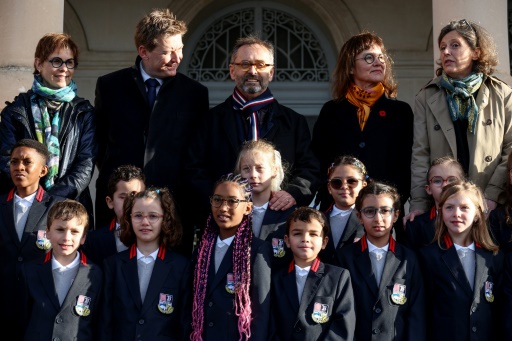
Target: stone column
x,y
490,15
23,24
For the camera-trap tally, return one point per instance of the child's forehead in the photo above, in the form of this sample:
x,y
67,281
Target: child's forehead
x,y
229,189
75,223
255,155
301,225
446,169
382,199
24,151
130,186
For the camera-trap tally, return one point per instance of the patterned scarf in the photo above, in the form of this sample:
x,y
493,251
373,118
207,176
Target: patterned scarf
x,y
459,95
47,133
250,109
364,100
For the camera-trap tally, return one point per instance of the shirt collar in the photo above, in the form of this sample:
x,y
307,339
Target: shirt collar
x,y
226,241
152,254
302,271
261,208
57,265
145,76
470,246
27,201
335,211
372,247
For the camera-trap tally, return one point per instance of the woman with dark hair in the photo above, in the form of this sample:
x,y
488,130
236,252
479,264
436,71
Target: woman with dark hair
x,y
364,119
51,113
464,112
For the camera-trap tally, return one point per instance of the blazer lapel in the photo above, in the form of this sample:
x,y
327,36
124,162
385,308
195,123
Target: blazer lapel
x,y
158,276
366,271
438,107
225,266
78,286
46,276
390,268
310,288
130,273
290,289
352,225
230,128
269,224
452,261
8,213
481,271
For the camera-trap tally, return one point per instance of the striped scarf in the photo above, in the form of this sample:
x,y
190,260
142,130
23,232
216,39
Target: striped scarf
x,y
249,109
459,95
41,100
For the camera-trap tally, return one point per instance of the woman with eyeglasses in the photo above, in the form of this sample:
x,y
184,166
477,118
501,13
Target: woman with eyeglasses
x,y
52,113
365,119
464,112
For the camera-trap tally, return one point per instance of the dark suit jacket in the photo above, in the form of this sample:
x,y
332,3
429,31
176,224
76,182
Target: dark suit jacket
x,y
354,229
325,284
500,230
378,317
125,317
101,244
274,227
454,311
45,318
154,140
13,252
421,231
220,320
215,148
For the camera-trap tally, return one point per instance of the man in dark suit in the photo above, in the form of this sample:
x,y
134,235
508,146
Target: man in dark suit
x,y
146,114
252,113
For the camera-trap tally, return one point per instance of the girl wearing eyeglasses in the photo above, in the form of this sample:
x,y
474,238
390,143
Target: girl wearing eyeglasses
x,y
52,113
386,278
364,118
347,176
443,171
463,270
146,287
231,292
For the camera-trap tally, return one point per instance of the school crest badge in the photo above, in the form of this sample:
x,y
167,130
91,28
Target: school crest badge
x,y
278,247
165,304
42,242
320,313
82,305
489,296
230,283
398,295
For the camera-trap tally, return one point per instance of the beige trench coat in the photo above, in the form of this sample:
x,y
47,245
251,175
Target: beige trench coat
x,y
434,136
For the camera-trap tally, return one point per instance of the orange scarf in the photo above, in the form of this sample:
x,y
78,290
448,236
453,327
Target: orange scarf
x,y
364,100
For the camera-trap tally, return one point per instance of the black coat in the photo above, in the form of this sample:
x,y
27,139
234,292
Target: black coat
x,y
154,140
217,143
421,231
100,243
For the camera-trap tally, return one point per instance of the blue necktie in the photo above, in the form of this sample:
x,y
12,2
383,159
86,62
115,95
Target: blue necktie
x,y
152,84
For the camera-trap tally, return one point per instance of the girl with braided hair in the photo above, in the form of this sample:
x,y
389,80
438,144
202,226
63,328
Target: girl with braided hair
x,y
232,271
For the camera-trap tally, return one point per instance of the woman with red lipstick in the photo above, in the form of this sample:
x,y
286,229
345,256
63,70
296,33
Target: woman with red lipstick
x,y
365,119
52,113
464,112
463,270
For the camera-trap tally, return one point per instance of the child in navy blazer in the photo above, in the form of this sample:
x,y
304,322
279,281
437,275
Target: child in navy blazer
x,y
347,176
463,270
260,163
62,290
420,230
311,300
23,215
147,286
232,270
105,242
386,277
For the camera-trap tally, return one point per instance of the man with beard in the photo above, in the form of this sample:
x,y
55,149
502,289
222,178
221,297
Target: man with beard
x,y
252,113
146,114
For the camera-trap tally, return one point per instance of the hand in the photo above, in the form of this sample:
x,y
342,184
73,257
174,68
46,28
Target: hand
x,y
281,201
411,215
491,205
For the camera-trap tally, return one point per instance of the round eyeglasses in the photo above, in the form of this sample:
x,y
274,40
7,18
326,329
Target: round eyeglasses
x,y
439,181
57,63
370,211
152,217
258,64
370,58
337,183
217,201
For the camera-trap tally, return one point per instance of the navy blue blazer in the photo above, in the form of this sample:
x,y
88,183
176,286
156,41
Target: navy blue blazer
x,y
454,311
500,228
44,318
101,243
353,230
125,317
420,232
378,316
13,252
220,320
327,285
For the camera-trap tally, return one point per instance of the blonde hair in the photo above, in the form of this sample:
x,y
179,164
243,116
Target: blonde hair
x,y
479,230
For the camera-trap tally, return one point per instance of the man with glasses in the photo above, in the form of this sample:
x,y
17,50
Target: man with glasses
x,y
251,113
146,114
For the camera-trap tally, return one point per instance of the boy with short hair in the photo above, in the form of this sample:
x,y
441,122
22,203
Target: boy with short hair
x,y
311,300
61,289
104,242
23,213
